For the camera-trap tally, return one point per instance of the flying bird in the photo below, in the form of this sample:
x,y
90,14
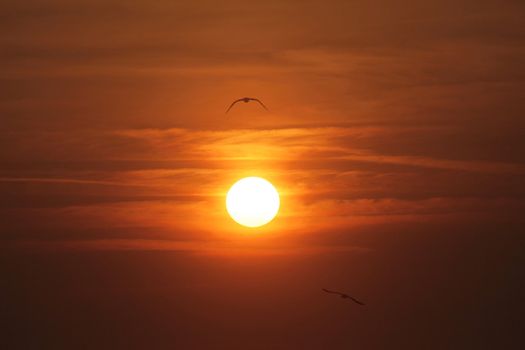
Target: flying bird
x,y
246,100
344,296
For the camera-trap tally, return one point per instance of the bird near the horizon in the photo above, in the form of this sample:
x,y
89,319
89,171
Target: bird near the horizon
x,y
246,100
344,296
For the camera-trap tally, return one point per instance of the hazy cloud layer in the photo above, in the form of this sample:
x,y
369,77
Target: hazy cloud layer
x,y
151,184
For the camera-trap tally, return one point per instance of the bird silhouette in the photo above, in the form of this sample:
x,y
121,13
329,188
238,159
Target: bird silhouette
x,y
246,100
344,296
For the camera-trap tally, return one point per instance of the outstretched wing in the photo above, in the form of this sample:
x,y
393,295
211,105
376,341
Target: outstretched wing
x,y
344,296
262,104
233,103
332,292
356,301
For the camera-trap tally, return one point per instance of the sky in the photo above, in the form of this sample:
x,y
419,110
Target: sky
x,y
395,138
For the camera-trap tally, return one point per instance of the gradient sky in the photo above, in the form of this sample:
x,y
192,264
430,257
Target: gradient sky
x,y
396,138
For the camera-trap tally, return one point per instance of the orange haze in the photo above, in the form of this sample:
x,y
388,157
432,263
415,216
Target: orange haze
x,y
395,137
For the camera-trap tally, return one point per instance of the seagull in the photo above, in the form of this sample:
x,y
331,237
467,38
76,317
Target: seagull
x,y
246,100
344,296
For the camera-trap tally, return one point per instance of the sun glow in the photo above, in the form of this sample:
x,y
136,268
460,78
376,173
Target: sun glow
x,y
252,202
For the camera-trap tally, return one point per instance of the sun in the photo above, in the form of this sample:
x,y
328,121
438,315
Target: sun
x,y
252,201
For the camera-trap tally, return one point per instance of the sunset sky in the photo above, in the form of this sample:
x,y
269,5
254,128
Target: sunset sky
x,y
395,138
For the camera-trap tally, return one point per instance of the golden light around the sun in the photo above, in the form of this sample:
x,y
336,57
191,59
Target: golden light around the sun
x,y
252,202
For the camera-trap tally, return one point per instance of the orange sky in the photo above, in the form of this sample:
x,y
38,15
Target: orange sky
x,y
395,137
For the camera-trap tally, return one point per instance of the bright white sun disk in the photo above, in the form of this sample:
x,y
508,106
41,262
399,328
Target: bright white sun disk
x,y
252,202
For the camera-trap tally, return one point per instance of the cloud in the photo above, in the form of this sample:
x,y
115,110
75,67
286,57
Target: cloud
x,y
150,184
109,65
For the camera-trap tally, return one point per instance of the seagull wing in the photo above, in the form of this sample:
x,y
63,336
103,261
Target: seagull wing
x,y
356,301
233,103
332,292
262,104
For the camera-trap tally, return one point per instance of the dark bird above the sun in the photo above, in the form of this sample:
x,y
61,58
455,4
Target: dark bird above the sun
x,y
246,100
344,296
